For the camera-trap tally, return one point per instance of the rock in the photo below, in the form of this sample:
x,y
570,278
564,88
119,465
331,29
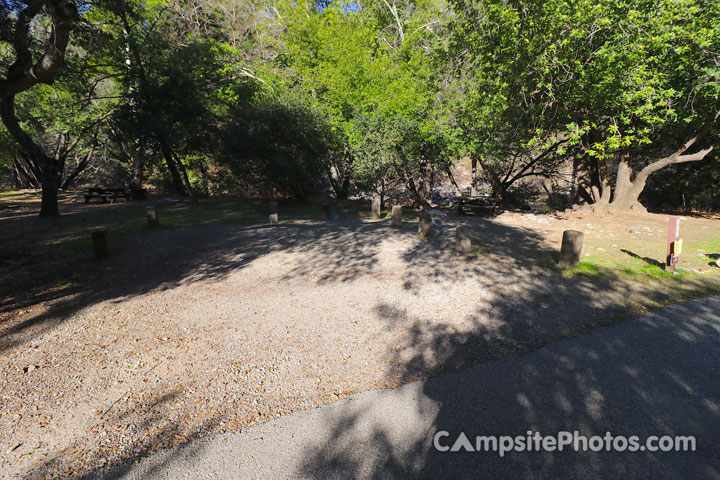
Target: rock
x,y
396,219
463,239
273,218
424,225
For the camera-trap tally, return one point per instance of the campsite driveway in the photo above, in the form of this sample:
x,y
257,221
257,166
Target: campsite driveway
x,y
657,374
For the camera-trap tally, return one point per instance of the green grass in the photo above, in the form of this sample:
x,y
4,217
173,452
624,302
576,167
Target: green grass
x,y
125,219
607,266
15,194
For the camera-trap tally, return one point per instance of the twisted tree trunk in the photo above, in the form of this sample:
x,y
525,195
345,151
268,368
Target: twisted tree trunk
x,y
25,73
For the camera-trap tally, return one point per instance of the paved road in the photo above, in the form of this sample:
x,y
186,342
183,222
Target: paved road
x,y
653,375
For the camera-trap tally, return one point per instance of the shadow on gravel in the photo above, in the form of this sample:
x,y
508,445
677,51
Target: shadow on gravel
x,y
542,305
156,432
655,376
162,259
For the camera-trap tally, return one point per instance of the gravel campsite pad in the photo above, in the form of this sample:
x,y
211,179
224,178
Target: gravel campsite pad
x,y
214,328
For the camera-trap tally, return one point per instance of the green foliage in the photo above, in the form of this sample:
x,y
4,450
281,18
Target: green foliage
x,y
282,142
385,95
630,72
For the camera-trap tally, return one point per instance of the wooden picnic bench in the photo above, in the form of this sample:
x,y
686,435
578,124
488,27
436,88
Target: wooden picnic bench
x,y
477,204
107,194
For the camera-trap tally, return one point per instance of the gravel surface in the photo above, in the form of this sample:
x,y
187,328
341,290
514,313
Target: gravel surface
x,y
652,375
211,329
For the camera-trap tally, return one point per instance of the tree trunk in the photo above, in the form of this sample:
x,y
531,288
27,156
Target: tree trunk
x,y
190,191
473,176
628,189
339,175
172,167
49,203
43,167
25,178
138,164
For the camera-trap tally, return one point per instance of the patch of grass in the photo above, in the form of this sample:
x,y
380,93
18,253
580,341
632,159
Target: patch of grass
x,y
603,266
10,194
475,251
62,286
587,268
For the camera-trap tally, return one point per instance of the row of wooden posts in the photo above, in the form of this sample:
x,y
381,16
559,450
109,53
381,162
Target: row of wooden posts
x,y
569,253
572,240
100,237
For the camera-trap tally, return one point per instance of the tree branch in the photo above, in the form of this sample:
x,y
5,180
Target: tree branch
x,y
87,127
678,156
23,74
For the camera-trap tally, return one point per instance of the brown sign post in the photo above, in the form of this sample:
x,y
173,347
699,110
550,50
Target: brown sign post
x,y
674,244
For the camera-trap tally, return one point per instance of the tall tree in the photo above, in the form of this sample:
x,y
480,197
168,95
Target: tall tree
x,y
33,66
633,84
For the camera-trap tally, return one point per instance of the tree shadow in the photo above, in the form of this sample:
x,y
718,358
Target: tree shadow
x,y
164,259
643,377
516,307
648,260
156,430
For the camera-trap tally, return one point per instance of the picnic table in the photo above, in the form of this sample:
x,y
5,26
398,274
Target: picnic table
x,y
477,204
107,194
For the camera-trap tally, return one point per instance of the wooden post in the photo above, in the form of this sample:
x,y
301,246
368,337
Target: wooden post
x,y
572,242
376,206
396,219
463,239
273,209
672,252
152,216
424,224
99,239
326,211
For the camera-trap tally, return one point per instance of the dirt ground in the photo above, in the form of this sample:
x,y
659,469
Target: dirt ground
x,y
195,330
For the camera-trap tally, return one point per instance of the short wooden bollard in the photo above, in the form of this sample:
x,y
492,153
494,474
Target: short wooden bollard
x,y
376,207
273,210
100,242
424,225
463,239
396,219
152,216
572,242
326,211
